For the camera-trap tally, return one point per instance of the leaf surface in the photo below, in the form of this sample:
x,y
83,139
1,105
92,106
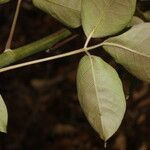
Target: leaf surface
x,y
106,17
3,115
66,11
101,95
135,56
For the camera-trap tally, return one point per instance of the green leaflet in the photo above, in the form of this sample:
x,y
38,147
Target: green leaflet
x,y
135,56
3,1
135,21
66,11
101,95
3,116
106,17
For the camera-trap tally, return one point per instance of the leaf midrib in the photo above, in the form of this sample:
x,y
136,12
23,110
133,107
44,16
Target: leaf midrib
x,y
126,48
96,91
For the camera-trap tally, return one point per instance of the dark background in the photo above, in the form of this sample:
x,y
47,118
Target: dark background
x,y
44,112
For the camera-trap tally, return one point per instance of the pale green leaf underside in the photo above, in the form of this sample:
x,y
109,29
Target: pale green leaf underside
x,y
101,95
3,116
3,1
106,17
136,62
66,11
135,21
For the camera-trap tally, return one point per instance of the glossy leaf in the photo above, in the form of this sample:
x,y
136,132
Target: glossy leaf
x,y
135,53
101,95
66,11
135,21
3,116
106,17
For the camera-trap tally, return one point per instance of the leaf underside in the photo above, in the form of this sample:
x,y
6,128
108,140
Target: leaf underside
x,y
67,12
3,116
101,95
135,21
137,61
106,17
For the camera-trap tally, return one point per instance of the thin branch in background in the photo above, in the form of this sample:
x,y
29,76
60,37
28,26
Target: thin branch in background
x,y
60,44
9,41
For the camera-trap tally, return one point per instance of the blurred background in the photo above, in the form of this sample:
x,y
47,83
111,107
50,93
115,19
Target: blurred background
x,y
44,112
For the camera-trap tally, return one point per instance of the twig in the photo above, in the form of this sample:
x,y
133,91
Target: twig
x,y
48,58
72,53
9,41
60,44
